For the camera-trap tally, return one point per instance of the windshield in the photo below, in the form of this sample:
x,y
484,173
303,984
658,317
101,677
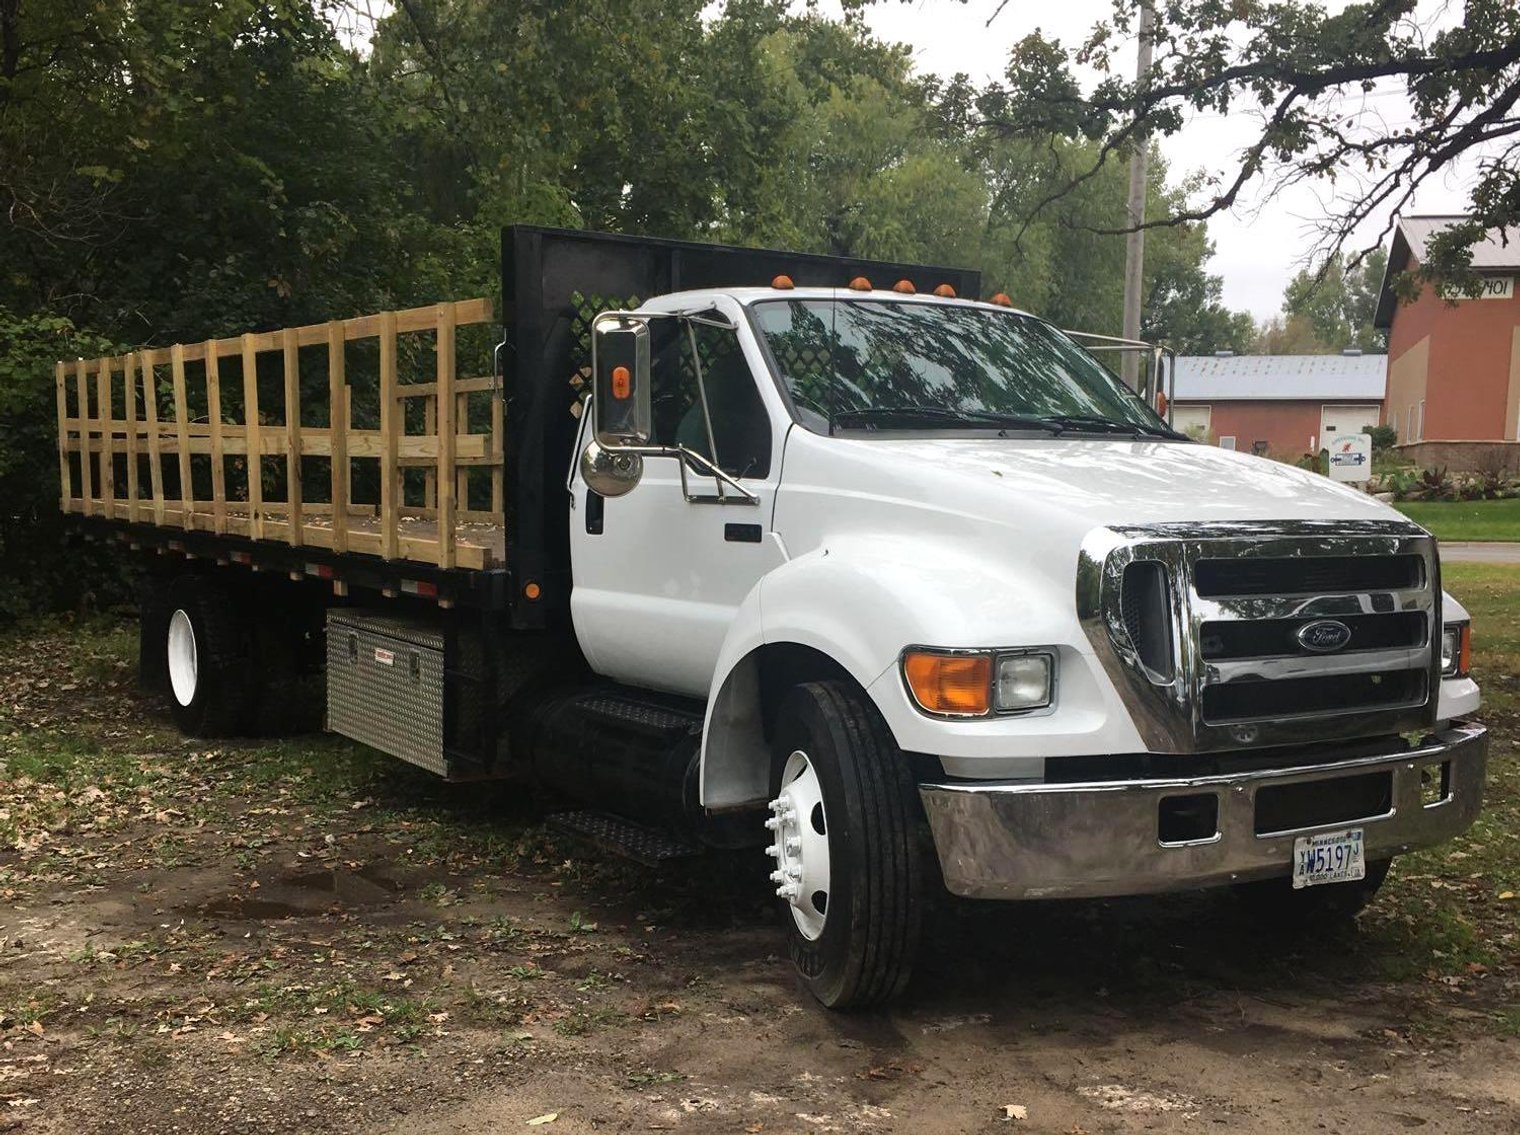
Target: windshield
x,y
885,364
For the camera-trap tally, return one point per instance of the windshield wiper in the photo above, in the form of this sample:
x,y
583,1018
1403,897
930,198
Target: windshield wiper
x,y
938,415
1084,422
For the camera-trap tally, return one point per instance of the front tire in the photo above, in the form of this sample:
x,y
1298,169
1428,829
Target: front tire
x,y
848,865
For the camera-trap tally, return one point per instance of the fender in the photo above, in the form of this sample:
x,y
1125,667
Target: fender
x,y
852,607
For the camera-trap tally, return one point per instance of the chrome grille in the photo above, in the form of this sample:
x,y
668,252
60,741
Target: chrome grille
x,y
1244,669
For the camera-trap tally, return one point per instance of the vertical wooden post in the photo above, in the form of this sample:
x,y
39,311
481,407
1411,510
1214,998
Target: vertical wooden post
x,y
107,432
293,435
348,425
430,428
462,426
155,441
337,428
446,435
255,439
129,413
498,454
182,433
390,441
65,485
86,470
218,458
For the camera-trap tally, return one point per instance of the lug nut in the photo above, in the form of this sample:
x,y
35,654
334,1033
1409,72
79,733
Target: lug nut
x,y
773,851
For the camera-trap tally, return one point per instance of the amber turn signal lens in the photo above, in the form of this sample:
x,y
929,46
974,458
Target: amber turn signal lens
x,y
959,684
622,383
860,284
945,291
1001,299
783,283
1464,652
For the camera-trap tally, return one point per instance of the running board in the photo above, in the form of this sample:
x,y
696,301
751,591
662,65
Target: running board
x,y
648,846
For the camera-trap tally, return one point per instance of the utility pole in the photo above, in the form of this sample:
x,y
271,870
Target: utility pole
x,y
1134,250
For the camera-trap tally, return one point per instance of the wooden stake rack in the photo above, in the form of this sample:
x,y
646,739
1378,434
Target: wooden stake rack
x,y
188,437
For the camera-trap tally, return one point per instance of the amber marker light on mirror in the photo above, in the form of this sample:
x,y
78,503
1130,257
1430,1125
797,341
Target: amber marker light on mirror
x,y
622,383
952,685
532,590
860,284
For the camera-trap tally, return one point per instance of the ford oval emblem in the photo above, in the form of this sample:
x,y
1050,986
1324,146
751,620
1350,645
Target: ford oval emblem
x,y
1323,635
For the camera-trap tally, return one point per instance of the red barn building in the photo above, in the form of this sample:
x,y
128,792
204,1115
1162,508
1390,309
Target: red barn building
x,y
1285,405
1454,363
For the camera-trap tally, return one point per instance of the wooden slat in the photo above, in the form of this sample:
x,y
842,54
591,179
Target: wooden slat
x,y
107,445
462,477
129,416
293,435
182,432
390,432
337,407
218,457
430,476
252,432
155,437
461,386
413,450
446,437
65,485
86,473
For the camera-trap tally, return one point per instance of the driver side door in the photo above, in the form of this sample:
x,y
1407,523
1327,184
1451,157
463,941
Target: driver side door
x,y
659,577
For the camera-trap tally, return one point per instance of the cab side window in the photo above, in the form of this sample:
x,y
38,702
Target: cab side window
x,y
741,433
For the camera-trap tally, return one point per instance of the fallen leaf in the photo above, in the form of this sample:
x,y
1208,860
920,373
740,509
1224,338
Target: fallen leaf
x,y
1012,1111
1506,896
35,1028
540,1120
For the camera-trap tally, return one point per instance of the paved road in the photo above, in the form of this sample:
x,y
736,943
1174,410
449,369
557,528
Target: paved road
x,y
1460,551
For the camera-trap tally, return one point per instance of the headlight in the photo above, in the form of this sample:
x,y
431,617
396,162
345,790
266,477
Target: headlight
x,y
1456,650
1023,682
978,683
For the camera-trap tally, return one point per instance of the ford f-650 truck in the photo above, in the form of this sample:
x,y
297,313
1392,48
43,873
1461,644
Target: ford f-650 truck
x,y
820,556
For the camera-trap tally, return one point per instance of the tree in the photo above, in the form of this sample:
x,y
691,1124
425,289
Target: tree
x,y
1301,68
1339,305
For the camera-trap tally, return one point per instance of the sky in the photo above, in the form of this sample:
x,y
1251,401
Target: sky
x,y
1259,246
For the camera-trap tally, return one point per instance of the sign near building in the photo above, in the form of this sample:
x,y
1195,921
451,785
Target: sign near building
x,y
1351,457
1494,288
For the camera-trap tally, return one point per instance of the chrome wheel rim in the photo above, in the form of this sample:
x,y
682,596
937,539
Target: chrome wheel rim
x,y
183,667
800,845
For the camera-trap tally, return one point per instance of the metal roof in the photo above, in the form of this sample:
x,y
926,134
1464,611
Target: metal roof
x,y
1304,378
1498,251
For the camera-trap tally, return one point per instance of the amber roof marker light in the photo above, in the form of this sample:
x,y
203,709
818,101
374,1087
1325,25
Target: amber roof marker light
x,y
945,291
905,287
783,283
860,284
1001,299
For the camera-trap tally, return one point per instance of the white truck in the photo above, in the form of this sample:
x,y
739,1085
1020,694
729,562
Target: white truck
x,y
840,562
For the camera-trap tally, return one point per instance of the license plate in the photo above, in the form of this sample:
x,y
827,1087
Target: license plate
x,y
1330,857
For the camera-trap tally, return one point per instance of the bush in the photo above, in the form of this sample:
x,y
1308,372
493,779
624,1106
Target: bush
x,y
1383,437
39,571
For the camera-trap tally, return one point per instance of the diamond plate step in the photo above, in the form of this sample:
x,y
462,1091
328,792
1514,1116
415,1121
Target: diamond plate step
x,y
612,833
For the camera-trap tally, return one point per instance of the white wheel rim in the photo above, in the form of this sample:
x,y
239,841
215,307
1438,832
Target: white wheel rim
x,y
182,658
800,845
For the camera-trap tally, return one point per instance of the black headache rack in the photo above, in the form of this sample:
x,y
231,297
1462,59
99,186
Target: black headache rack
x,y
553,282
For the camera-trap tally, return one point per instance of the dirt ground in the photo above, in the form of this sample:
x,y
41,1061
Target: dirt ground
x,y
308,937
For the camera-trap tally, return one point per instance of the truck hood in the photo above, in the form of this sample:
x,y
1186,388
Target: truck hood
x,y
1095,482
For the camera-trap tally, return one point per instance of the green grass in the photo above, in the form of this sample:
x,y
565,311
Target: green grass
x,y
1466,520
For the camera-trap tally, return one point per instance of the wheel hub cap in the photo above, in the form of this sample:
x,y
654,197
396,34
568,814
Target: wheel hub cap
x,y
800,844
183,666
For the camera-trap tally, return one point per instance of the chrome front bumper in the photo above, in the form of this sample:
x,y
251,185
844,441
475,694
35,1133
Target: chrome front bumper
x,y
1028,841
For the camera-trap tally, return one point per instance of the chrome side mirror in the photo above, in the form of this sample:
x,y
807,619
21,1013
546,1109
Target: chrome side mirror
x,y
610,472
620,363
